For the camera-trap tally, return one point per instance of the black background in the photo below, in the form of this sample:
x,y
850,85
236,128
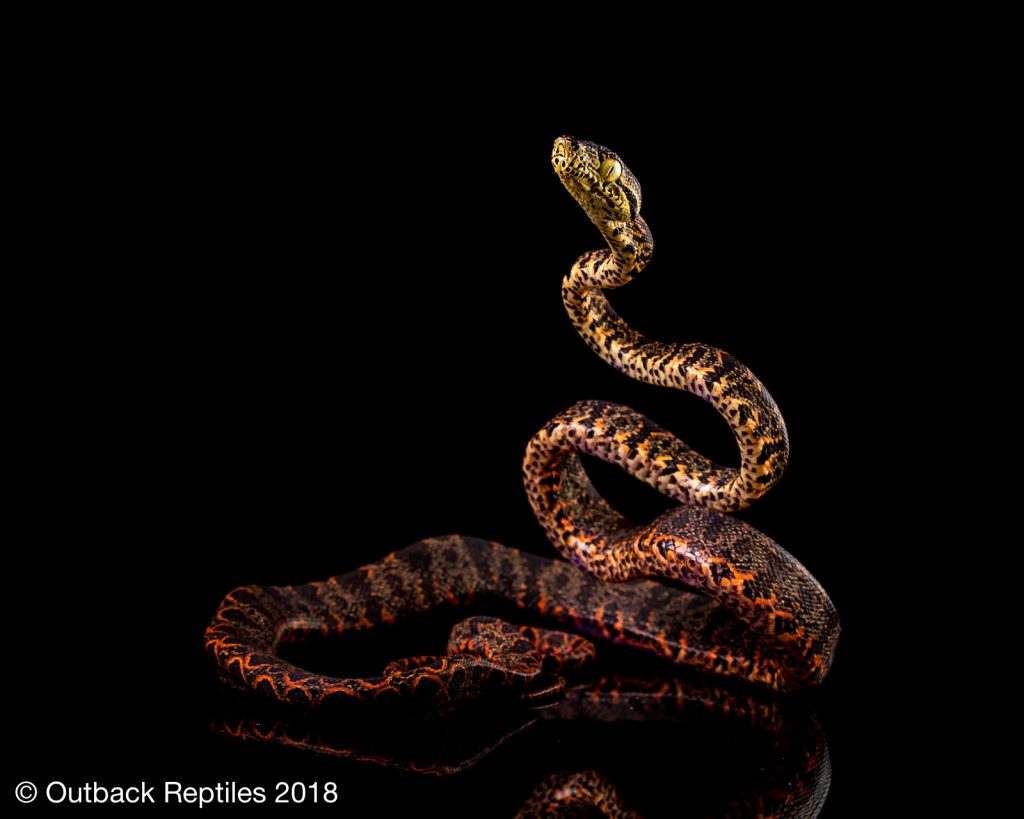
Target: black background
x,y
305,335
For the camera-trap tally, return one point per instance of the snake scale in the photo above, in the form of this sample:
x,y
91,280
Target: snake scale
x,y
755,613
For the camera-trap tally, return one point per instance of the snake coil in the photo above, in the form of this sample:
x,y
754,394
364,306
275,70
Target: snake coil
x,y
755,613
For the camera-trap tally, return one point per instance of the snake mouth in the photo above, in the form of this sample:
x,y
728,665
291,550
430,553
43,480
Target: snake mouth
x,y
573,165
569,164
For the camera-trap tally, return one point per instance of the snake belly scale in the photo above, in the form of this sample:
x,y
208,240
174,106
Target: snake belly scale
x,y
755,613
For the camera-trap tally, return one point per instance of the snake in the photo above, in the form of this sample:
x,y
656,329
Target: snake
x,y
696,586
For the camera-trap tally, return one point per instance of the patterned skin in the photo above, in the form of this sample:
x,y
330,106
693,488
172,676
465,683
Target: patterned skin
x,y
610,196
757,614
793,624
453,571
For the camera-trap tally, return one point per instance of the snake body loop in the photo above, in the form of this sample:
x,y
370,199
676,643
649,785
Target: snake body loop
x,y
755,614
613,205
793,625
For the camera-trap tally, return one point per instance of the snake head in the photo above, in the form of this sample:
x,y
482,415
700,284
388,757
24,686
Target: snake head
x,y
597,179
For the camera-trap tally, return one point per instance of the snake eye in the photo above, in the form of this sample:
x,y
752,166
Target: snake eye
x,y
611,169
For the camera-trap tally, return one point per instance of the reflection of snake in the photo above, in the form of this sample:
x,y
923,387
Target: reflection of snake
x,y
761,617
784,771
583,793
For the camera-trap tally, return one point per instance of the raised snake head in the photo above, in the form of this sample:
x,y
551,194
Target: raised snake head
x,y
597,179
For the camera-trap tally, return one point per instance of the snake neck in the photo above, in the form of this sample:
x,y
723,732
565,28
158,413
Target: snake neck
x,y
705,371
630,246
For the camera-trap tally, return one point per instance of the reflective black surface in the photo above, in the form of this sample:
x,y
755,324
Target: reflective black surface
x,y
312,364
741,752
